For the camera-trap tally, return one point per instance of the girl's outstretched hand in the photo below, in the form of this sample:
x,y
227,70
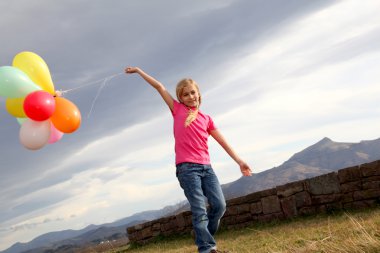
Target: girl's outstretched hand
x,y
130,70
245,169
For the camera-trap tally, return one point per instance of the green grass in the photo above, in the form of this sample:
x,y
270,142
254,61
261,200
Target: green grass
x,y
357,231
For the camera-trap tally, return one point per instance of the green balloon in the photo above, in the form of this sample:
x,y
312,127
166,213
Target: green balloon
x,y
21,120
14,83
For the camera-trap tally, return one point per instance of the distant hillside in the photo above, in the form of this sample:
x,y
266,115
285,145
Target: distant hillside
x,y
323,157
92,234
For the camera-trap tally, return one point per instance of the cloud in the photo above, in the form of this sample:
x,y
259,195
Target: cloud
x,y
101,165
120,191
277,105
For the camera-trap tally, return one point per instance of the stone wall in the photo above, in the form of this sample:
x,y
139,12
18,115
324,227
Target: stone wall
x,y
349,188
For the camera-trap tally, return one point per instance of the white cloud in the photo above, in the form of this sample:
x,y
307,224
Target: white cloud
x,y
118,191
289,109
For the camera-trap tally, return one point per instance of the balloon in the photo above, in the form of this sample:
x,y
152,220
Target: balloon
x,y
15,107
39,105
21,120
55,134
66,117
36,68
34,134
14,83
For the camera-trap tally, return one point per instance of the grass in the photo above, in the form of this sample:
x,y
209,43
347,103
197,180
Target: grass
x,y
354,232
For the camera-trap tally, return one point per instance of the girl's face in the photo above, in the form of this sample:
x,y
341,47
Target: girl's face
x,y
190,96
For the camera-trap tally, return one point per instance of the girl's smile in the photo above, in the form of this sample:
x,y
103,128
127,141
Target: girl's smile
x,y
190,96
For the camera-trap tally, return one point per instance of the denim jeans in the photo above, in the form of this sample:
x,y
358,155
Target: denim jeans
x,y
199,182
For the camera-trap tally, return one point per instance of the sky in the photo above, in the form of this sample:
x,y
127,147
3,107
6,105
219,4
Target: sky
x,y
276,76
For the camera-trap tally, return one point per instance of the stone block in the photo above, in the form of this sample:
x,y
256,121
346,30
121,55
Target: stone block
x,y
188,220
289,189
289,206
253,197
302,199
271,204
370,169
132,237
325,184
244,208
180,220
231,210
347,197
351,186
267,192
367,194
323,199
156,226
146,232
243,218
349,174
256,208
371,185
229,220
235,201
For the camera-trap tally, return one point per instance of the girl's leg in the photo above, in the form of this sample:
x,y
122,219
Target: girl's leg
x,y
214,194
190,178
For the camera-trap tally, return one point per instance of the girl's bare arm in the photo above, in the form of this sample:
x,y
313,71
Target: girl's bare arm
x,y
244,167
154,83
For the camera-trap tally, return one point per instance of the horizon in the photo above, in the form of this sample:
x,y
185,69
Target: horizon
x,y
275,78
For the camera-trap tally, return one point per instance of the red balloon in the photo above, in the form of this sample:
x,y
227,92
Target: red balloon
x,y
39,105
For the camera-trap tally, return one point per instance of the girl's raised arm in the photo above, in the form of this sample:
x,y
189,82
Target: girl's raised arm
x,y
154,83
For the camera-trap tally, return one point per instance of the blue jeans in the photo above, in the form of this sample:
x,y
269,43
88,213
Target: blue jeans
x,y
198,182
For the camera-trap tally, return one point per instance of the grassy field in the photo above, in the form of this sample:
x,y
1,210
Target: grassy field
x,y
352,232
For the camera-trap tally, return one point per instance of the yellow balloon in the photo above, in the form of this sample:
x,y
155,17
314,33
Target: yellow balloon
x,y
15,107
36,68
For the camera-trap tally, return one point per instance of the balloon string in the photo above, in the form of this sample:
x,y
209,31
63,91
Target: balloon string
x,y
92,83
97,95
104,82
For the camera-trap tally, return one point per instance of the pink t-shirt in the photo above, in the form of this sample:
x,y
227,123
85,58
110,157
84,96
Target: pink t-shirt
x,y
191,142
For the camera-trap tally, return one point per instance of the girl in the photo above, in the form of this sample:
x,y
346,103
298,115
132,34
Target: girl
x,y
194,172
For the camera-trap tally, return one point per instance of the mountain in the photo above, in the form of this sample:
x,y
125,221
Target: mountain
x,y
323,157
92,234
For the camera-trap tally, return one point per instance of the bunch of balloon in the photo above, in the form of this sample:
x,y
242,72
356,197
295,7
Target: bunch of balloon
x,y
31,98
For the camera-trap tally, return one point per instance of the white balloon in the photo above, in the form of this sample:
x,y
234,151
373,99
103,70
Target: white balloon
x,y
34,134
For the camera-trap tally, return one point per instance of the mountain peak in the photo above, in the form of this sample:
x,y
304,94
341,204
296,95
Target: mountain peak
x,y
325,144
325,140
322,147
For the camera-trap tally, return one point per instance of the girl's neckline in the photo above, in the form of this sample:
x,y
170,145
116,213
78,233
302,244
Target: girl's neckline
x,y
191,108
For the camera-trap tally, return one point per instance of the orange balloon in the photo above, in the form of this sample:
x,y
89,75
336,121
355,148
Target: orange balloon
x,y
66,117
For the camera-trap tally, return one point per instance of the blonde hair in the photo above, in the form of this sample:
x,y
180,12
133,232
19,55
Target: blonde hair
x,y
192,115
